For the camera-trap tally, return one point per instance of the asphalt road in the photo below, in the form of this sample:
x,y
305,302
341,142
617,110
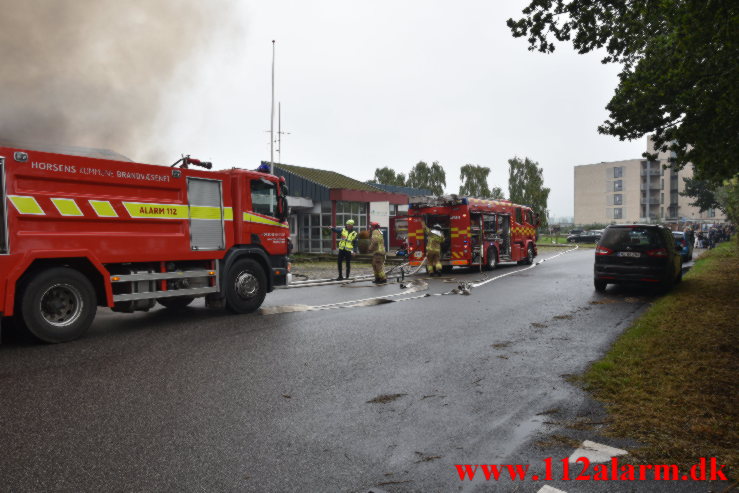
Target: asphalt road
x,y
343,398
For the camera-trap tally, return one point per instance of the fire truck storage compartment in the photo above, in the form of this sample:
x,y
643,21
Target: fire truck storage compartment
x,y
206,214
443,221
504,231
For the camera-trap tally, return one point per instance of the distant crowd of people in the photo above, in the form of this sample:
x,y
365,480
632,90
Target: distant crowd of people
x,y
710,237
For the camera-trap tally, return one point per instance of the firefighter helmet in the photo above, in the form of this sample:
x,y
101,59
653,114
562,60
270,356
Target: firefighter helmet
x,y
437,226
374,225
350,222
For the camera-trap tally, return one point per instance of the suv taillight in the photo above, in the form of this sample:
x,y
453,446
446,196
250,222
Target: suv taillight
x,y
601,250
659,252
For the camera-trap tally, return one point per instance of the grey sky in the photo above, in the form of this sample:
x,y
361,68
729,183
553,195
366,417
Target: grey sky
x,y
389,83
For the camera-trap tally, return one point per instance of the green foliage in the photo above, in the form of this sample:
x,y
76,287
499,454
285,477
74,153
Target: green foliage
x,y
727,197
680,70
703,192
497,193
474,181
526,186
387,176
431,177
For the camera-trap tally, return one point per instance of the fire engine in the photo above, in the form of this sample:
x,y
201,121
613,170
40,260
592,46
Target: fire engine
x,y
83,228
476,232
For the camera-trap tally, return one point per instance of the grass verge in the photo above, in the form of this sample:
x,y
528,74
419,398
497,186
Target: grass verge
x,y
670,381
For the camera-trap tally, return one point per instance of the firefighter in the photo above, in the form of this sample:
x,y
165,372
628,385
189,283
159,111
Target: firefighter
x,y
347,245
377,249
434,238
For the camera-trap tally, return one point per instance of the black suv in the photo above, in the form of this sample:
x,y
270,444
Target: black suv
x,y
638,253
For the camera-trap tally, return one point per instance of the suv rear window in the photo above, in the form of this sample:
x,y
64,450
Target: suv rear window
x,y
634,238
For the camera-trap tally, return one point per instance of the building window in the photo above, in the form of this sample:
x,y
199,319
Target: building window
x,y
662,197
618,199
618,172
618,213
618,185
352,210
711,212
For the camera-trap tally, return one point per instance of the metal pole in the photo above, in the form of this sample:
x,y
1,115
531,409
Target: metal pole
x,y
272,117
279,132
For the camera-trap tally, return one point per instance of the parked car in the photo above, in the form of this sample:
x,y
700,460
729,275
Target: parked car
x,y
576,231
638,253
585,237
684,247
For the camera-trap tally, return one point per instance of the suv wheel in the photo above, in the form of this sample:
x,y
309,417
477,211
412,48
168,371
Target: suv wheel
x,y
600,285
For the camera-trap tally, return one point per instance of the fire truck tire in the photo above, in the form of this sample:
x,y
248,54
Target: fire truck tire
x,y
176,302
492,259
246,286
529,257
58,305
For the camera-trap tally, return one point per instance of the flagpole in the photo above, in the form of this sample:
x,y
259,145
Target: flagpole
x,y
272,117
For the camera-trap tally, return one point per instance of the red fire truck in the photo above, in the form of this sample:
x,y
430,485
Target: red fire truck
x,y
476,232
87,228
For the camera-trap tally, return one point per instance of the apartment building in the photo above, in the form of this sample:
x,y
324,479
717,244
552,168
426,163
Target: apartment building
x,y
636,190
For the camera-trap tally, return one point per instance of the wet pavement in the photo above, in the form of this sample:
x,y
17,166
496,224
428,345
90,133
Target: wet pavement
x,y
386,397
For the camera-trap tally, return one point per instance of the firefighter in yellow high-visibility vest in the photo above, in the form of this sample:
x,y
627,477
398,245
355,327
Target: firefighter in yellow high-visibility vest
x,y
377,249
434,239
347,241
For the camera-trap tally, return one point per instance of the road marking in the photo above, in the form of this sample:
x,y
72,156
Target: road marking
x,y
596,452
548,489
482,283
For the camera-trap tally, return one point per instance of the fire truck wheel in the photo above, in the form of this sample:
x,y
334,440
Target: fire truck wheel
x,y
246,286
58,305
492,260
529,257
176,302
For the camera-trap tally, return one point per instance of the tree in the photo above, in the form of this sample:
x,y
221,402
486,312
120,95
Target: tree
x,y
680,66
727,196
703,192
387,176
474,181
526,186
497,193
431,177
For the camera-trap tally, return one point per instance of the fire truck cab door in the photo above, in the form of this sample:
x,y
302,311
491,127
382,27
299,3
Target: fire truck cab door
x,y
206,214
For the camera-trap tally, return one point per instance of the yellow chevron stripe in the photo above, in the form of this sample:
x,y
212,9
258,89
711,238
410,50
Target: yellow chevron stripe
x,y
103,208
67,207
26,205
228,214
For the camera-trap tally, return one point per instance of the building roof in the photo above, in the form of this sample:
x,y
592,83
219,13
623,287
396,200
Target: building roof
x,y
325,178
409,191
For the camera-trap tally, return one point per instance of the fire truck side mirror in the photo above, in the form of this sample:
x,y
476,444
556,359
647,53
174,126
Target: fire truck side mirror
x,y
283,210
